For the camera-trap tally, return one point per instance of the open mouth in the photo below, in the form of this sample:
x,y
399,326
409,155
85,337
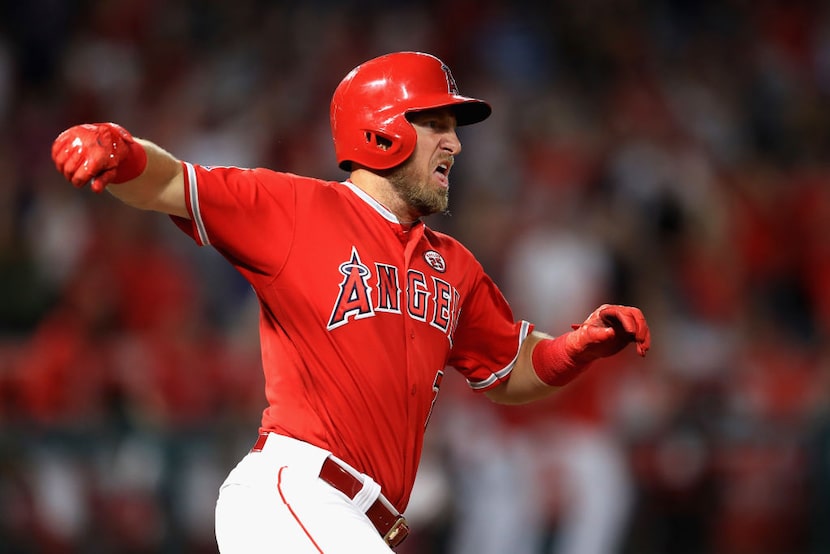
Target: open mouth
x,y
443,172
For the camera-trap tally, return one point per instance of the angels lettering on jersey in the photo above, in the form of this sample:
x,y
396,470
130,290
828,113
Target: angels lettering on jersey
x,y
365,291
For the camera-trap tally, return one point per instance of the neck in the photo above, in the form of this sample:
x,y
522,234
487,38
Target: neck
x,y
379,188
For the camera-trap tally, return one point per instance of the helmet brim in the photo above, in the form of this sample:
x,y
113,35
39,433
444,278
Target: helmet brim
x,y
467,110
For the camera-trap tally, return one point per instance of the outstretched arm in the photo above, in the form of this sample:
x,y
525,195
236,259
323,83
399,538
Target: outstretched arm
x,y
546,363
136,171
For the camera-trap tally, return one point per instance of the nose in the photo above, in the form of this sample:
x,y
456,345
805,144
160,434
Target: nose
x,y
451,142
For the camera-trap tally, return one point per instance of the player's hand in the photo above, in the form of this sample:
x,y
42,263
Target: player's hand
x,y
607,331
98,154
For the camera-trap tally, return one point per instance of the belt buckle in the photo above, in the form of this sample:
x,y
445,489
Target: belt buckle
x,y
397,533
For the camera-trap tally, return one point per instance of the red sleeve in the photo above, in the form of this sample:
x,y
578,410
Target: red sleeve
x,y
246,214
487,341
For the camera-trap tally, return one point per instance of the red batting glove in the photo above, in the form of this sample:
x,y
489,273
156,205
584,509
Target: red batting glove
x,y
98,154
606,332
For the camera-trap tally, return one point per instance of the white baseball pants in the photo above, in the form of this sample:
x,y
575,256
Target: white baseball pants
x,y
274,502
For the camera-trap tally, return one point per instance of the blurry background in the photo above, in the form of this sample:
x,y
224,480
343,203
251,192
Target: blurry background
x,y
671,155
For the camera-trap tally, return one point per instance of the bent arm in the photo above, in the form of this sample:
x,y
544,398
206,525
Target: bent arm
x,y
160,187
524,385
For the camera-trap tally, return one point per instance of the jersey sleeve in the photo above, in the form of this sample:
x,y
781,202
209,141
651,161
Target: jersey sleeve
x,y
487,340
246,214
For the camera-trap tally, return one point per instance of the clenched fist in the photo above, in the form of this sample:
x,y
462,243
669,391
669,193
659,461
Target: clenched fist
x,y
98,154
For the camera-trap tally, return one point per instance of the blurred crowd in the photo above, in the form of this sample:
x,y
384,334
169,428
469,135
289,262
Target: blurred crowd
x,y
668,154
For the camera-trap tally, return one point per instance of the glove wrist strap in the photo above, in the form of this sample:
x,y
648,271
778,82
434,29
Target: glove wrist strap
x,y
553,364
133,163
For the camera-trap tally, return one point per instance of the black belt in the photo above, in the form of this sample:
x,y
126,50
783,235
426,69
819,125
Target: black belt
x,y
390,524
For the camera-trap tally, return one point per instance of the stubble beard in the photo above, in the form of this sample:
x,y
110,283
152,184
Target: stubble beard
x,y
418,193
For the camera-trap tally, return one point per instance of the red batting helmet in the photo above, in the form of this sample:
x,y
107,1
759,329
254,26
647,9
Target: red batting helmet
x,y
370,105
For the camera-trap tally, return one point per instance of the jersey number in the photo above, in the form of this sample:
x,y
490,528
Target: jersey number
x,y
436,386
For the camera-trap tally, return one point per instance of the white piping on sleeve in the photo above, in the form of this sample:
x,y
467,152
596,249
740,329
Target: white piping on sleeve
x,y
193,189
505,371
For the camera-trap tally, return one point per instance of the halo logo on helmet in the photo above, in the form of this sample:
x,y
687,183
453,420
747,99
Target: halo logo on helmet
x,y
369,107
452,87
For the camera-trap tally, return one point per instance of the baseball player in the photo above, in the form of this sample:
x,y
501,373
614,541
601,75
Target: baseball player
x,y
363,307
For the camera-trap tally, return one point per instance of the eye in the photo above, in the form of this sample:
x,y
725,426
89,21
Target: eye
x,y
438,124
434,121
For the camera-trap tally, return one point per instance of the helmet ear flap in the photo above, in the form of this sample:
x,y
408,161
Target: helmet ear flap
x,y
378,140
381,150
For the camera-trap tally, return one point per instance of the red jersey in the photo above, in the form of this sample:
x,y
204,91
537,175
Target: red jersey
x,y
359,316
